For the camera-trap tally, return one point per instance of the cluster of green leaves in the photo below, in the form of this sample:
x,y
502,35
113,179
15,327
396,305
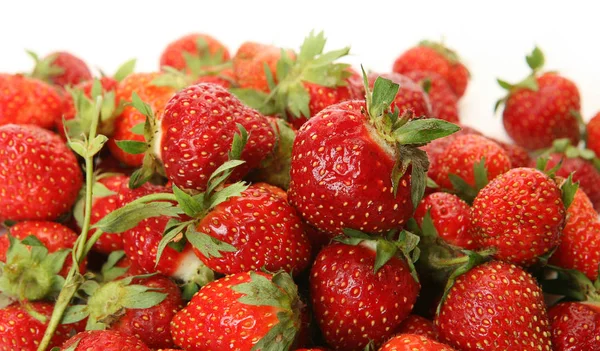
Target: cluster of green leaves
x,y
45,68
466,191
535,61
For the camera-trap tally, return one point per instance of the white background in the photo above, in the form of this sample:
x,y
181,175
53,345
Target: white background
x,y
491,36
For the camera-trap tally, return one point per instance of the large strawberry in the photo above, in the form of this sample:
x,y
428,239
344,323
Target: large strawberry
x,y
434,57
521,214
249,64
105,340
346,285
251,310
494,307
575,326
355,164
410,96
541,108
60,68
39,176
412,342
202,48
28,101
444,103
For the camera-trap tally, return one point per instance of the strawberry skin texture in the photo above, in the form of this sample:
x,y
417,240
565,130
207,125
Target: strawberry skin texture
x,y
580,244
266,231
521,214
28,101
464,152
583,171
39,176
518,156
225,78
347,298
101,206
444,103
152,325
129,118
575,326
495,306
173,54
593,132
533,119
412,342
422,58
340,175
410,95
215,319
450,216
75,69
105,340
20,331
415,324
198,126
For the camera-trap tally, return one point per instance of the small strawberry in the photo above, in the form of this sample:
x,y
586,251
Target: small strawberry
x,y
494,307
105,340
249,64
207,50
434,57
541,108
20,330
593,134
413,342
346,285
60,68
415,324
28,101
521,214
575,326
351,163
39,177
243,311
450,216
444,103
410,96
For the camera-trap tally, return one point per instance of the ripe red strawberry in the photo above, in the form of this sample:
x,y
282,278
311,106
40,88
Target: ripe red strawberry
x,y
575,326
346,286
105,340
264,230
593,134
61,68
450,216
520,214
415,324
464,152
28,101
249,62
201,46
412,342
410,96
519,157
129,118
494,307
444,103
19,330
541,108
321,97
224,78
198,126
240,312
580,244
434,57
39,176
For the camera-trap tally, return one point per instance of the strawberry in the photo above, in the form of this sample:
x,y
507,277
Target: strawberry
x,y
20,330
415,324
494,306
208,50
593,134
575,326
346,282
105,340
541,108
410,95
450,217
60,68
463,158
413,342
350,164
28,101
224,78
518,156
521,214
123,130
251,310
580,245
434,57
444,103
197,129
40,177
249,64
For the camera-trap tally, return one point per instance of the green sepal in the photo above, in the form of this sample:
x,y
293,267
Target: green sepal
x,y
568,190
110,271
209,246
133,147
129,216
191,205
74,314
261,291
45,69
423,131
466,191
442,49
174,232
281,336
124,70
570,283
535,60
427,227
384,92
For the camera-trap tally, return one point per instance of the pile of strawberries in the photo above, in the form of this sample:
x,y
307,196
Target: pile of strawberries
x,y
279,199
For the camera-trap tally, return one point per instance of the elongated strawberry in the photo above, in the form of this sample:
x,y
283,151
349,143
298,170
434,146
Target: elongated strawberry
x,y
541,108
39,176
207,50
28,101
429,56
410,96
575,326
241,311
415,324
412,342
521,214
351,163
60,68
494,306
444,103
106,340
346,284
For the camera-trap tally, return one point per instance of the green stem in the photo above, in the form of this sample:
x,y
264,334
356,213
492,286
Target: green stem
x,y
441,263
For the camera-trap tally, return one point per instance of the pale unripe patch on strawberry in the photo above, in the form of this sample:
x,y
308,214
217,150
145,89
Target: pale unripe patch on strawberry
x,y
190,268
